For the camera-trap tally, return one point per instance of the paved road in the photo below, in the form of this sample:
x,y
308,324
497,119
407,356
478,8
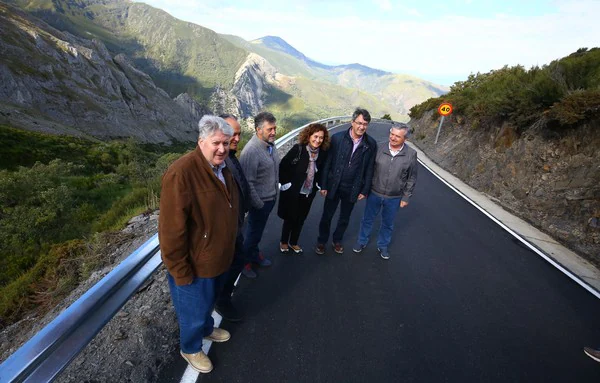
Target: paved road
x,y
460,300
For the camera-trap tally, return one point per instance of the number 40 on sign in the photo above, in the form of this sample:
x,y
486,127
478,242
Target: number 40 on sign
x,y
445,109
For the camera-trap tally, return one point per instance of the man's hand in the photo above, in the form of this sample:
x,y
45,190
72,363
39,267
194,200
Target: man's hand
x,y
361,196
324,193
403,204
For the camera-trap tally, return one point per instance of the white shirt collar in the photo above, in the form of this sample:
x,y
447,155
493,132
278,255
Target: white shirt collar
x,y
395,152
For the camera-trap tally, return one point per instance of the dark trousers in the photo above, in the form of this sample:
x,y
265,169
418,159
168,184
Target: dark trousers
x,y
234,271
328,212
290,232
257,220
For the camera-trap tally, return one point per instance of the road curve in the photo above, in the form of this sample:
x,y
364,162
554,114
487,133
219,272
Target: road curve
x,y
460,300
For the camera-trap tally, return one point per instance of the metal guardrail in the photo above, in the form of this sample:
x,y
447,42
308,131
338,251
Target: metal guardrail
x,y
51,350
328,122
48,352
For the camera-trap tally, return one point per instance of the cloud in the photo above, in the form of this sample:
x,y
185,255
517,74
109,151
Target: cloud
x,y
386,5
447,46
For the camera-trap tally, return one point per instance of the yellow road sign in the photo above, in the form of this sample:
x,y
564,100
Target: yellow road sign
x,y
445,109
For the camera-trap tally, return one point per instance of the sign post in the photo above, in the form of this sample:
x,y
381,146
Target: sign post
x,y
445,109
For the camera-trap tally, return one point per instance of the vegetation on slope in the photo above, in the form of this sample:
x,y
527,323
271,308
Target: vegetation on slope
x,y
58,195
562,94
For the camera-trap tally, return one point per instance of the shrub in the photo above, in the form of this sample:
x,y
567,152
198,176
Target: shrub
x,y
566,91
576,107
51,270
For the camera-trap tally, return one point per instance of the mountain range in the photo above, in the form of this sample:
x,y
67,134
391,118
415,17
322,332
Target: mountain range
x,y
116,68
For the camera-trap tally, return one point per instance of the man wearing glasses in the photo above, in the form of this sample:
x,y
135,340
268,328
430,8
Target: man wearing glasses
x,y
394,180
347,177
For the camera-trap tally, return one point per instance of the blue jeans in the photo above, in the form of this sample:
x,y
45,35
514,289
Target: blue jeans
x,y
257,220
388,207
194,304
329,210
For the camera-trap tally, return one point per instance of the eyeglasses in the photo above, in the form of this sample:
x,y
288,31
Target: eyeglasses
x,y
365,124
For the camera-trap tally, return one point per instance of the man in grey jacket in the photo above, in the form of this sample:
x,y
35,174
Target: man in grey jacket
x,y
394,180
260,164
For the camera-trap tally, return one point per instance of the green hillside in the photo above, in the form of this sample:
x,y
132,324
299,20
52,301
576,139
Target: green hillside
x,y
562,94
179,56
60,197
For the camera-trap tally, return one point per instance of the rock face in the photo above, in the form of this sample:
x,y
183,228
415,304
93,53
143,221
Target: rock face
x,y
250,82
191,106
549,178
55,82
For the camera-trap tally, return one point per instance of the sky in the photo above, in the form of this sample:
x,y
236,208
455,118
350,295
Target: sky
x,y
439,41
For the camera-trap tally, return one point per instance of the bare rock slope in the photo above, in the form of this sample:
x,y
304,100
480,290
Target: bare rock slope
x,y
54,82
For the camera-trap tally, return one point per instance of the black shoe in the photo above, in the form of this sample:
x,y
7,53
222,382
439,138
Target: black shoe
x,y
248,272
228,312
383,252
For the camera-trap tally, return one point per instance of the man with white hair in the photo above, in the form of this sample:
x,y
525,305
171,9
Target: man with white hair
x,y
197,228
394,180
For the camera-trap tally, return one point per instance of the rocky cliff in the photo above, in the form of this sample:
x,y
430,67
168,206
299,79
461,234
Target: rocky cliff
x,y
251,80
55,82
547,177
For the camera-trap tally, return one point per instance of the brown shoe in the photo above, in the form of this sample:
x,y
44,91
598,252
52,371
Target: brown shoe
x,y
320,249
284,248
338,247
198,361
296,249
218,335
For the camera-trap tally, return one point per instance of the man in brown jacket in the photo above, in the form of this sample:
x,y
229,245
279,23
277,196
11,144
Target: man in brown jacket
x,y
197,228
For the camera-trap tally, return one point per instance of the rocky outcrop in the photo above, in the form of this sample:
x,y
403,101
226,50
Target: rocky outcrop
x,y
55,82
222,101
549,178
251,81
191,106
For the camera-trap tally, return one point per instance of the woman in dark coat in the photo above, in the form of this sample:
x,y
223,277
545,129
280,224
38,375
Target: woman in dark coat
x,y
299,174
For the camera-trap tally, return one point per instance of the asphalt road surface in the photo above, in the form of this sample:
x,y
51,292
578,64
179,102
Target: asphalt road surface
x,y
460,300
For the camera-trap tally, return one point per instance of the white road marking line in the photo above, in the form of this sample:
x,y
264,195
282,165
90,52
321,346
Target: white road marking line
x,y
517,236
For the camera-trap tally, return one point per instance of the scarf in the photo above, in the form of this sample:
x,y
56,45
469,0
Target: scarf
x,y
313,154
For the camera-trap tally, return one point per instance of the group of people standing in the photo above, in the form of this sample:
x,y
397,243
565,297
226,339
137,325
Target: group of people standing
x,y
207,195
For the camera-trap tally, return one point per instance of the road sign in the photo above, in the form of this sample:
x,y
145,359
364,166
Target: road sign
x,y
445,109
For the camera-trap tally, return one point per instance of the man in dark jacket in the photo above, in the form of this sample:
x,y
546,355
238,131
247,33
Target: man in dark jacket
x,y
394,180
197,227
346,178
224,305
